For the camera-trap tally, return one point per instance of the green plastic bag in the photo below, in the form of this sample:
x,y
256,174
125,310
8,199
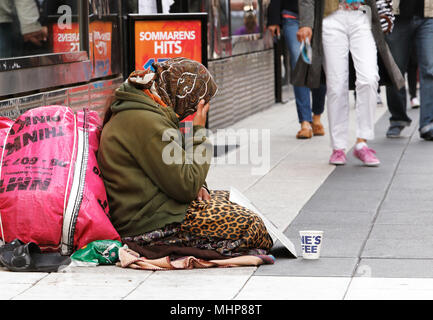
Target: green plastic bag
x,y
99,252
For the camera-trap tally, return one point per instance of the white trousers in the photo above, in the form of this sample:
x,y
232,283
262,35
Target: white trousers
x,y
344,31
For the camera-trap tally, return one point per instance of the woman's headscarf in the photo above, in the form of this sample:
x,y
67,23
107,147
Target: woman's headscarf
x,y
179,82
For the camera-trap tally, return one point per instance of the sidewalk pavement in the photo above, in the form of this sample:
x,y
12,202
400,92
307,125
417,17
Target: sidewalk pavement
x,y
376,223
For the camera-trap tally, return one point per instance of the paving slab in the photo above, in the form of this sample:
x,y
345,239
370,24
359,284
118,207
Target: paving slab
x,y
365,288
324,267
328,199
412,182
334,218
196,284
392,268
401,232
413,196
409,217
109,283
287,171
13,284
342,231
339,241
412,167
378,182
294,288
396,205
398,249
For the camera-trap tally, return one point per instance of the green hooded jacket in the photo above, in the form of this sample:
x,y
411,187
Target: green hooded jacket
x,y
144,191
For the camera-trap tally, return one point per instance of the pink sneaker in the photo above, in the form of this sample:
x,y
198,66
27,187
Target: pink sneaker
x,y
338,157
367,156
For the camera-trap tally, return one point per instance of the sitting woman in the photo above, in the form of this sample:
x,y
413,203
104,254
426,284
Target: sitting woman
x,y
156,184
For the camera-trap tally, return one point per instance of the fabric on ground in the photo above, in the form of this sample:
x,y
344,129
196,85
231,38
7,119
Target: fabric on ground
x,y
174,252
131,259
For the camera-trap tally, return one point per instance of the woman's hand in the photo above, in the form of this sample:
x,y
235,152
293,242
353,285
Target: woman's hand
x,y
203,194
275,30
201,115
304,33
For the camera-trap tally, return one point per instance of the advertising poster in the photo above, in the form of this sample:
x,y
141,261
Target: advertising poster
x,y
66,39
100,35
156,38
160,40
100,39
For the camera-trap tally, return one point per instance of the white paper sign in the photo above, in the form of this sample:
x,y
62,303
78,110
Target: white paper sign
x,y
237,197
166,4
147,7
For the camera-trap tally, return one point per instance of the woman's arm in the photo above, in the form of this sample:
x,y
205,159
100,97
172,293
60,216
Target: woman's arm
x,y
178,172
306,19
306,13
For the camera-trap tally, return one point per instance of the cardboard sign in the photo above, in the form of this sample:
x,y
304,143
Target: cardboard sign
x,y
237,197
160,40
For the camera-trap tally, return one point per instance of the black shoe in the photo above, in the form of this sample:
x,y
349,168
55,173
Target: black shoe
x,y
427,135
394,131
10,247
29,258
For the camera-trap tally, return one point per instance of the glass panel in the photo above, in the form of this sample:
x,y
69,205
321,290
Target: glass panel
x,y
244,17
197,6
185,6
223,17
177,6
129,6
34,27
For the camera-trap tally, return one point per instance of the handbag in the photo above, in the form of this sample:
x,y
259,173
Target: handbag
x,y
386,15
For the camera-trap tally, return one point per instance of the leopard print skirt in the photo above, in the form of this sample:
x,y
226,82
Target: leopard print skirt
x,y
215,224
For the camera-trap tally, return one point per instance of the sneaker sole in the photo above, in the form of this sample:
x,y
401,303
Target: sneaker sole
x,y
371,164
393,136
427,138
337,163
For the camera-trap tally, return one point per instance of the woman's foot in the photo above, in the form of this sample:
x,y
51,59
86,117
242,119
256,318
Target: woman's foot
x,y
338,157
318,129
366,155
306,131
414,103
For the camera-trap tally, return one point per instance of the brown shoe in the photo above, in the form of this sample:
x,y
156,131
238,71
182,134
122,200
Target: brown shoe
x,y
305,133
318,129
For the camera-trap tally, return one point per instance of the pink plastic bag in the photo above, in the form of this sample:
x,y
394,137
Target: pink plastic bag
x,y
51,189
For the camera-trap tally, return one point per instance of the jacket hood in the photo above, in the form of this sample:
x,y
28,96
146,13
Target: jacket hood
x,y
130,98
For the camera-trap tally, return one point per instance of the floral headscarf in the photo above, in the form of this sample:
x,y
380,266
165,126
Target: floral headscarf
x,y
179,83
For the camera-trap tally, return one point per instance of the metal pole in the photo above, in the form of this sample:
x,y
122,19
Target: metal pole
x,y
277,64
83,21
